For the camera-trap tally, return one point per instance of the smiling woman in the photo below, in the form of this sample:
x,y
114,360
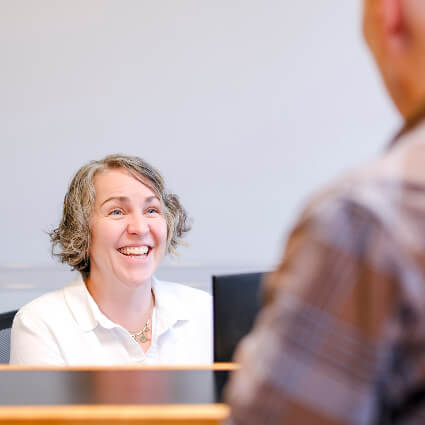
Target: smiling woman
x,y
118,222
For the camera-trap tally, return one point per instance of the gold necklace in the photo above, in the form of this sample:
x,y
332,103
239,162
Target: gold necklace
x,y
140,336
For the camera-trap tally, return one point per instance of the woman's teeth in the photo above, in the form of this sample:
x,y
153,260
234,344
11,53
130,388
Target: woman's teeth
x,y
134,250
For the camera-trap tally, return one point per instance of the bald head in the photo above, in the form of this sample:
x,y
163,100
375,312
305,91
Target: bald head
x,y
395,33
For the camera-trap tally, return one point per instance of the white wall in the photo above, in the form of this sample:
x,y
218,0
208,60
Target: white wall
x,y
245,106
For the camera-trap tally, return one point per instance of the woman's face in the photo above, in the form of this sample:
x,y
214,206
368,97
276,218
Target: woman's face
x,y
128,230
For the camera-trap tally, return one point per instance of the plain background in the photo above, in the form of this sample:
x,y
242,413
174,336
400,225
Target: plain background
x,y
246,107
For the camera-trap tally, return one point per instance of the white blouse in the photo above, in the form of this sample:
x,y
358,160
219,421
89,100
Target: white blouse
x,y
66,327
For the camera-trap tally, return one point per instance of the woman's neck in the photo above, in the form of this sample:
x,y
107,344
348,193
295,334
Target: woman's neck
x,y
130,307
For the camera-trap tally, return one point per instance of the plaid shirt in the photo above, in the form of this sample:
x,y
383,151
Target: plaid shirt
x,y
341,339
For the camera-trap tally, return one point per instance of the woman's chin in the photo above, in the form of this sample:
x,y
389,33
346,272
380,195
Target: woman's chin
x,y
135,280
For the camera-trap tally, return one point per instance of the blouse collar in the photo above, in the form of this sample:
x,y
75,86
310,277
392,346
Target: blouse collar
x,y
170,308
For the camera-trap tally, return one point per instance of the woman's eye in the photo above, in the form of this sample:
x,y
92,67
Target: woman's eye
x,y
152,211
116,212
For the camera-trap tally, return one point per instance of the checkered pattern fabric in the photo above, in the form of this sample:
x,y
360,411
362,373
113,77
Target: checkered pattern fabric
x,y
341,339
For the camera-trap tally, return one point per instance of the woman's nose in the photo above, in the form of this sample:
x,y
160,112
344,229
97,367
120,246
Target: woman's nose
x,y
137,225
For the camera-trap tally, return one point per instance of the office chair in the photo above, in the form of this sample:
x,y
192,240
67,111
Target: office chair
x,y
236,302
6,320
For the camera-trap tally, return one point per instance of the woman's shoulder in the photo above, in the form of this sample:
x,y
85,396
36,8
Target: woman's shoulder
x,y
46,305
180,289
183,299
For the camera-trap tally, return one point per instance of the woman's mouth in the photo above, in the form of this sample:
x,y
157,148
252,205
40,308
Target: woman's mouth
x,y
139,251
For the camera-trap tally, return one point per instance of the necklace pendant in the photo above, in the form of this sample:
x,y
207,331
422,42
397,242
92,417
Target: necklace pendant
x,y
141,335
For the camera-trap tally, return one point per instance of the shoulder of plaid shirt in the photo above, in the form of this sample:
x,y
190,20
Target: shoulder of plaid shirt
x,y
342,332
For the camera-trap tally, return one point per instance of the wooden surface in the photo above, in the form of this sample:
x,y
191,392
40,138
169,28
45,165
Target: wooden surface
x,y
214,366
113,395
118,415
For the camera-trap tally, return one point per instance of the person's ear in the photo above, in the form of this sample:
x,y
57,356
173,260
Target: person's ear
x,y
392,16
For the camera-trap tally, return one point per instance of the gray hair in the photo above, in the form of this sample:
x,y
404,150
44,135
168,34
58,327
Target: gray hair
x,y
71,239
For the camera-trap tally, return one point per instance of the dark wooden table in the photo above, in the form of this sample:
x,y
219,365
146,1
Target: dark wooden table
x,y
125,395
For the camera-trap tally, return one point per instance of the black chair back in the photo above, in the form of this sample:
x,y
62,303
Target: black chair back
x,y
236,302
6,320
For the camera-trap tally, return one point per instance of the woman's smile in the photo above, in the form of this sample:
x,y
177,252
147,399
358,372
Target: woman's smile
x,y
135,250
135,255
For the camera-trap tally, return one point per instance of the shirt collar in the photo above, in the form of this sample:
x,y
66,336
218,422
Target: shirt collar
x,y
410,124
169,305
84,308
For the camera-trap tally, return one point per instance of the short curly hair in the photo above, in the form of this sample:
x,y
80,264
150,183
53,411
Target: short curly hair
x,y
71,239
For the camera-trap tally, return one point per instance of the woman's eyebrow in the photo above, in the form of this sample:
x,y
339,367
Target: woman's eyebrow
x,y
115,198
126,199
152,198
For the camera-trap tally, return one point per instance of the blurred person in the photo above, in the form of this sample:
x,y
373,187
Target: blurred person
x,y
118,222
341,338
